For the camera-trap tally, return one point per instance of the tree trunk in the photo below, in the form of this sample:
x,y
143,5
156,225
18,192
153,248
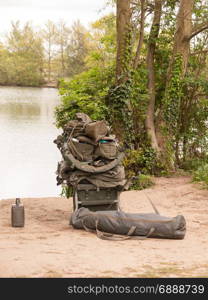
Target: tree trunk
x,y
62,59
49,63
117,98
123,29
154,32
141,35
182,35
181,48
184,148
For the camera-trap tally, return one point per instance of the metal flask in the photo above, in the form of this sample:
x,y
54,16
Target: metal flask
x,y
18,214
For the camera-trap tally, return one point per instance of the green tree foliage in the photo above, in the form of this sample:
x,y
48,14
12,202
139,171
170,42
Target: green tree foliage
x,y
34,57
62,40
201,175
84,61
84,93
87,91
49,35
180,97
77,49
102,42
21,60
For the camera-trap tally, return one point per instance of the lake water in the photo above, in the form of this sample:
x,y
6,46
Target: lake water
x,y
28,156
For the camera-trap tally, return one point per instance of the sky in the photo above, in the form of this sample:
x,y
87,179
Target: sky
x,y
39,11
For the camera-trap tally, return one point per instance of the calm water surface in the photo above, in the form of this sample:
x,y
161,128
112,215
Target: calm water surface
x,y
28,156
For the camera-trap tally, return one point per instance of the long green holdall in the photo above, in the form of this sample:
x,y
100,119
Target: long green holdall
x,y
118,225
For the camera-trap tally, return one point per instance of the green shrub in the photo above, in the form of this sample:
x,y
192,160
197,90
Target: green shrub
x,y
142,182
66,191
193,164
141,160
84,93
201,175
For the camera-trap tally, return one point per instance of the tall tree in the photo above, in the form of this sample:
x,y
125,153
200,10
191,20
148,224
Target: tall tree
x,y
117,95
178,65
49,36
26,55
123,39
103,42
154,32
62,40
77,49
182,34
141,33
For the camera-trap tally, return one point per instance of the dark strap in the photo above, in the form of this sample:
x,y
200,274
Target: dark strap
x,y
114,237
74,150
87,228
83,166
117,237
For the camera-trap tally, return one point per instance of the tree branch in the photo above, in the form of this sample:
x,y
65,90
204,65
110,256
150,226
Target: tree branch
x,y
198,29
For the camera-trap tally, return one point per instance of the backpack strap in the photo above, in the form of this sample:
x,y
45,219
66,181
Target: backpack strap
x,y
116,237
74,150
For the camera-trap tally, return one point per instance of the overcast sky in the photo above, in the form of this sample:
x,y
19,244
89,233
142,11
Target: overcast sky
x,y
39,11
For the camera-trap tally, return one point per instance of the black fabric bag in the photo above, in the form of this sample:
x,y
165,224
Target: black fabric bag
x,y
112,224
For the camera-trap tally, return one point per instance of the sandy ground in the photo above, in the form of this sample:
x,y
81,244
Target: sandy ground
x,y
48,247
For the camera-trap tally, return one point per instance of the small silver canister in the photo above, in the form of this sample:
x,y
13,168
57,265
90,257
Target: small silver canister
x,y
18,214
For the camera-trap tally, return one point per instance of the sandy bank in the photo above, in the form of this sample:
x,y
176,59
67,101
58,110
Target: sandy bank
x,y
48,247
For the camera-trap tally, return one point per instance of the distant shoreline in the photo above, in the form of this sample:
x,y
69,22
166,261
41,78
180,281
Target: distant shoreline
x,y
41,86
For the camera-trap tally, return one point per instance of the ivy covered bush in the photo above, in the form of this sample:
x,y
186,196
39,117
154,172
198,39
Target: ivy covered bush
x,y
170,92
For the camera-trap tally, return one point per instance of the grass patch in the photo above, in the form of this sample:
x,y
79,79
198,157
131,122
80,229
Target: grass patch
x,y
52,274
168,270
173,270
164,270
142,182
201,175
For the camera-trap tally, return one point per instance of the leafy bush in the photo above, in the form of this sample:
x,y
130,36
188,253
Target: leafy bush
x,y
193,164
140,161
84,93
142,182
66,191
201,175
